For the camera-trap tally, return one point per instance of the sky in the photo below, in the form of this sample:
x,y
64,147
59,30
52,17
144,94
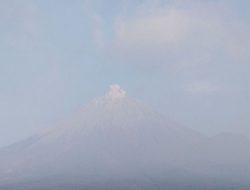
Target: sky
x,y
187,59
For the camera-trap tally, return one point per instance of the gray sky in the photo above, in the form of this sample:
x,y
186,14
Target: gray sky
x,y
187,59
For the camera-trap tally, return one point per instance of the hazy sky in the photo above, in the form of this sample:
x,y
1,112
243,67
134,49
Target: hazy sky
x,y
188,59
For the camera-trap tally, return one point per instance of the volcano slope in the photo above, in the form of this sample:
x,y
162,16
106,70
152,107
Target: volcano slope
x,y
116,142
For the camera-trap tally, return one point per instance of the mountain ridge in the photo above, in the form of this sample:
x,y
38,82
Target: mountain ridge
x,y
116,137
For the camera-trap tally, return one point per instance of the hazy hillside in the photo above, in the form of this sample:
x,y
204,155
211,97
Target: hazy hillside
x,y
117,143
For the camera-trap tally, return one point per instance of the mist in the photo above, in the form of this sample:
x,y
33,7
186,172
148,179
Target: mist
x,y
124,94
118,141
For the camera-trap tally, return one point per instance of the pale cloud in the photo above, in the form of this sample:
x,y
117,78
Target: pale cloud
x,y
202,87
98,33
115,92
193,32
167,28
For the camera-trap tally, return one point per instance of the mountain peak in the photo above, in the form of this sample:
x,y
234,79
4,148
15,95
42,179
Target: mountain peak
x,y
115,92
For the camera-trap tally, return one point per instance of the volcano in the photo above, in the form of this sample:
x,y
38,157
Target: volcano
x,y
116,138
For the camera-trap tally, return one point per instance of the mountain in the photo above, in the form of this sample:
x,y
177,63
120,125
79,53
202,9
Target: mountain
x,y
115,138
